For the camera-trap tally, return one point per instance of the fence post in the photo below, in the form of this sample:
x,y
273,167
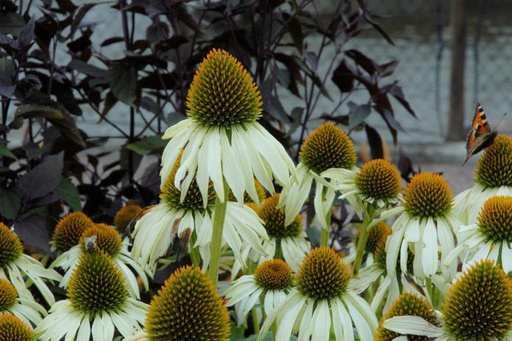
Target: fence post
x,y
458,13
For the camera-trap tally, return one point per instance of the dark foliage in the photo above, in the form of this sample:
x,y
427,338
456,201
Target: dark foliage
x,y
53,72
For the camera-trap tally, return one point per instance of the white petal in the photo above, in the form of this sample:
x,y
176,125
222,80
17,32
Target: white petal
x,y
413,325
430,252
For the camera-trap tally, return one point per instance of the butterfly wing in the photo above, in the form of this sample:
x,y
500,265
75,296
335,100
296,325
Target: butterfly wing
x,y
480,136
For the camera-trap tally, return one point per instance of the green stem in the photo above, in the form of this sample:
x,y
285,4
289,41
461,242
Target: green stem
x,y
324,237
429,288
216,245
369,212
194,251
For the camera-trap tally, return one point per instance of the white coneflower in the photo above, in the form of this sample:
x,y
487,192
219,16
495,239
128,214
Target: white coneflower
x,y
68,231
156,229
222,140
15,265
477,307
26,309
493,176
272,280
13,328
490,237
321,303
426,226
107,239
97,304
188,307
414,307
326,148
286,241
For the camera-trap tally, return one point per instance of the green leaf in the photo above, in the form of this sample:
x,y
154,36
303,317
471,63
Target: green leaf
x,y
11,23
37,110
358,114
123,83
147,145
4,151
9,203
69,193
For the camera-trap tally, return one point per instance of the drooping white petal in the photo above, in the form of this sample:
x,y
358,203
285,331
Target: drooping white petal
x,y
413,325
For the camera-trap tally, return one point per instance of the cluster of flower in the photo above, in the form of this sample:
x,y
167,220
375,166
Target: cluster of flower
x,y
219,201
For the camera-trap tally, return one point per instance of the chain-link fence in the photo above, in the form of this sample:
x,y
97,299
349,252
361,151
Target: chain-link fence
x,y
422,34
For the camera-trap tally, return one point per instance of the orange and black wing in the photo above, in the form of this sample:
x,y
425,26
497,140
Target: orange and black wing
x,y
480,136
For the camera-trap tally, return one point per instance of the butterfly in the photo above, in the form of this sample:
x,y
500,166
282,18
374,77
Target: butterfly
x,y
480,136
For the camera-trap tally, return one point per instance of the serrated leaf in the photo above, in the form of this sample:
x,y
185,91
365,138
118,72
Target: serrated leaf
x,y
69,193
147,145
123,83
42,179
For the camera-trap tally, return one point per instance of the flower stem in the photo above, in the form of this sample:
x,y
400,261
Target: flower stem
x,y
194,251
219,216
363,237
324,237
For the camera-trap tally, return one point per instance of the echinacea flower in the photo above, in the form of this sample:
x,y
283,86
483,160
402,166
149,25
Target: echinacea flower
x,y
124,216
321,302
97,304
175,215
107,239
376,183
15,265
26,309
288,240
13,328
68,231
272,280
188,307
407,304
221,139
378,233
375,272
493,176
425,225
477,307
327,147
490,237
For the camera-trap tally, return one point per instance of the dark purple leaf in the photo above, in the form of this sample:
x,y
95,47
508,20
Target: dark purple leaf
x,y
33,231
396,91
360,59
343,77
295,30
388,68
113,178
42,179
80,44
87,69
26,36
375,142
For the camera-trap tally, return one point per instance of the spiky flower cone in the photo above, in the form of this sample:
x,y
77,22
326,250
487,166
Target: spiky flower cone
x,y
187,307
